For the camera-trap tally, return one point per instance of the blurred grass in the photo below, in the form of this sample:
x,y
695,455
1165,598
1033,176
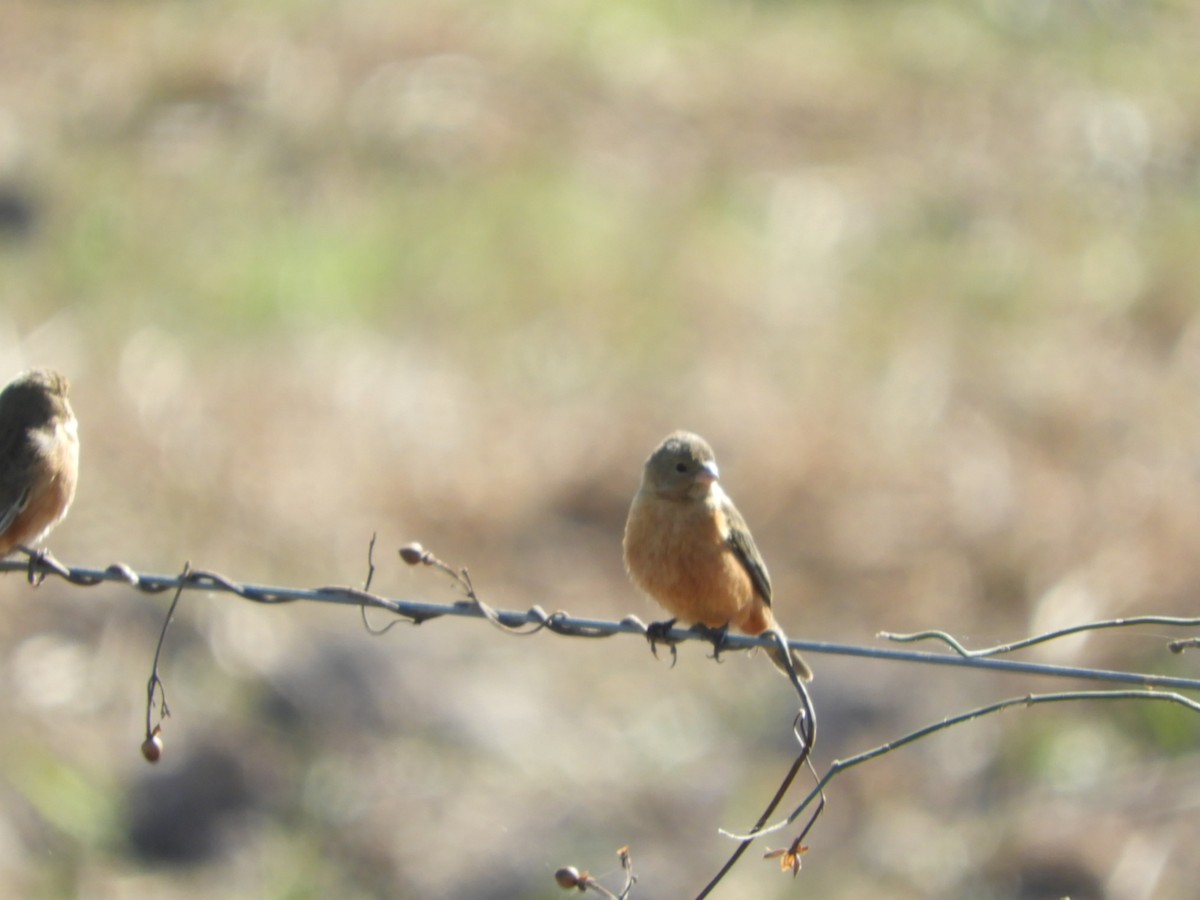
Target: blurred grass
x,y
923,273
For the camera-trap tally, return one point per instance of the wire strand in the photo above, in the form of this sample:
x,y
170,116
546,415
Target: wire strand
x,y
39,565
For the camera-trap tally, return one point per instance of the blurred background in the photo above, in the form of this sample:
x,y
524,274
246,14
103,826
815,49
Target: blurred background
x,y
922,273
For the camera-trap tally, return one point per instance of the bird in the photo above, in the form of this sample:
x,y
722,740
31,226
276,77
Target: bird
x,y
687,546
39,457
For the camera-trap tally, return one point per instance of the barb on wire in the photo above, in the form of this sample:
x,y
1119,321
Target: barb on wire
x,y
955,645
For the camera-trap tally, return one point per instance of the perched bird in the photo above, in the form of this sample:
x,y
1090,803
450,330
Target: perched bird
x,y
688,547
39,457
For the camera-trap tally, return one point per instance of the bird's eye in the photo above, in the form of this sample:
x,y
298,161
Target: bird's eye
x,y
681,467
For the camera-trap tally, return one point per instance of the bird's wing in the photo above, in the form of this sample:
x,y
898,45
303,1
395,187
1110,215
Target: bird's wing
x,y
12,503
743,545
14,487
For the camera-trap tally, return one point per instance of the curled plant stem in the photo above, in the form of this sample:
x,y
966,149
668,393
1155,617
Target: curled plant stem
x,y
955,645
840,766
152,746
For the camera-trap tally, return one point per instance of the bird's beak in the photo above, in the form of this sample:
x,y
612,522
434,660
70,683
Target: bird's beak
x,y
707,473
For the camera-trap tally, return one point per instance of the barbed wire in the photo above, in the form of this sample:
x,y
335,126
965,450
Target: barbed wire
x,y
39,565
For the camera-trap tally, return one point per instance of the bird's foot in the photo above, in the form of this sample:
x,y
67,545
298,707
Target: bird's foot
x,y
659,633
37,563
715,636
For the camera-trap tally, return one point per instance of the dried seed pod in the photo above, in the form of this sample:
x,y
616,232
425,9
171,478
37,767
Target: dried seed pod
x,y
568,877
152,747
412,553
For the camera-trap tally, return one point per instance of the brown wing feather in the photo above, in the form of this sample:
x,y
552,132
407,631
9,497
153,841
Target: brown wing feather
x,y
15,460
743,545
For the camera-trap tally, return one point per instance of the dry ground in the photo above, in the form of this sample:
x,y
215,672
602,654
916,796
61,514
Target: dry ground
x,y
922,273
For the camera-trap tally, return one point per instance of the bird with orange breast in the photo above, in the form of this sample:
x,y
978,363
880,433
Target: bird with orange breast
x,y
39,457
688,547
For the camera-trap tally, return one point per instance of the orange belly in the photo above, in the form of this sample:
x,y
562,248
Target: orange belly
x,y
676,552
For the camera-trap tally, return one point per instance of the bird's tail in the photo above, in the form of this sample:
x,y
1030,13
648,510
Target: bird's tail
x,y
777,656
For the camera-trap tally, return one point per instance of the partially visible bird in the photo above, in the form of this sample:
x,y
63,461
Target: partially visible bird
x,y
39,457
688,547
